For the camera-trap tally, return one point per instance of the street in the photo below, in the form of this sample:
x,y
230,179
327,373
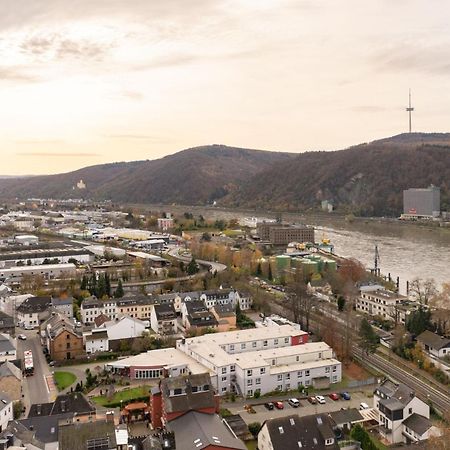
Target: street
x,y
35,388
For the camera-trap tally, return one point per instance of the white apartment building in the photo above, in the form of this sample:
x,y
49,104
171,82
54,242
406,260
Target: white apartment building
x,y
47,271
403,417
263,359
375,300
93,307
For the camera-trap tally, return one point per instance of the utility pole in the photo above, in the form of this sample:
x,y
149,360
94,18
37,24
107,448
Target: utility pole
x,y
409,110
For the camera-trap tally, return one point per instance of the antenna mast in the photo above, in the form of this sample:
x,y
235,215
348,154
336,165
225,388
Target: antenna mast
x,y
410,109
377,260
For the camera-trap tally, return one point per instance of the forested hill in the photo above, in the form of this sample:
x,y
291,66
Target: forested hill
x,y
366,179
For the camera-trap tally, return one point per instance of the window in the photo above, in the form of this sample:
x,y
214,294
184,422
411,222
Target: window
x,y
249,372
249,382
224,378
327,370
306,373
288,376
280,377
254,344
231,347
243,346
224,389
232,369
280,429
286,340
320,355
297,358
177,391
334,368
265,343
275,341
258,381
299,374
262,370
224,370
68,345
410,411
288,386
274,361
250,392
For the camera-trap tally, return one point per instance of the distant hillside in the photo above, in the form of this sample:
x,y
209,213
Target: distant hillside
x,y
367,179
194,176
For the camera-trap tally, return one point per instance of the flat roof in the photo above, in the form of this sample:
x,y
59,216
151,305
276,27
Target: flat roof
x,y
44,267
165,357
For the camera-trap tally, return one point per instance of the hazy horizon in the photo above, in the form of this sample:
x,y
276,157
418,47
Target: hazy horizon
x,y
91,82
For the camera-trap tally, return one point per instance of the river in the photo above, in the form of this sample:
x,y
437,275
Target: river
x,y
406,250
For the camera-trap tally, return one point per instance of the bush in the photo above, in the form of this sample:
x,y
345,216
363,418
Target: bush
x,y
254,428
257,394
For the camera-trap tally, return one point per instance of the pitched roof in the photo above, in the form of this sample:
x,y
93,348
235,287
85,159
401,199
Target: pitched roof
x,y
101,319
224,310
34,305
400,392
64,403
5,343
45,428
419,424
165,311
189,400
195,431
342,416
6,321
433,340
8,369
307,432
76,436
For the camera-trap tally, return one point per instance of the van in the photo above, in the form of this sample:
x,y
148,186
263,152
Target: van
x,y
363,406
294,402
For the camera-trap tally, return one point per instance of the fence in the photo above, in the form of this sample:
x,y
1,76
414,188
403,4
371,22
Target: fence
x,y
358,383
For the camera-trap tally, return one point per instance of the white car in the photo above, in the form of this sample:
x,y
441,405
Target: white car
x,y
320,399
22,337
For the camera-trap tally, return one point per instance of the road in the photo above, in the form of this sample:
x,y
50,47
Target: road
x,y
215,266
35,387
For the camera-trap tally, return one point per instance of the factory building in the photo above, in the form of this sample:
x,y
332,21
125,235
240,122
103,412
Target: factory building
x,y
421,203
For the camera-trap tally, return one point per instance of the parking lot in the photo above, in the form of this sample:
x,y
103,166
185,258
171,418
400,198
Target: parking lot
x,y
262,413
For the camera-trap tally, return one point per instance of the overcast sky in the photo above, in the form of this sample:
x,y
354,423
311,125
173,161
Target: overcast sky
x,y
90,81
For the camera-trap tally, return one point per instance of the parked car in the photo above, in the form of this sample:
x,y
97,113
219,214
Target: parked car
x,y
294,402
279,405
345,396
51,363
320,399
269,406
22,337
334,396
312,400
363,405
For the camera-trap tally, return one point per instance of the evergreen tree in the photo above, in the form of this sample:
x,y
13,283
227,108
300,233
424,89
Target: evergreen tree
x,y
119,290
419,321
258,270
192,267
107,285
368,339
101,286
270,276
84,283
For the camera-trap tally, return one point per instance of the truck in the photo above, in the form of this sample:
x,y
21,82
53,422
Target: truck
x,y
28,367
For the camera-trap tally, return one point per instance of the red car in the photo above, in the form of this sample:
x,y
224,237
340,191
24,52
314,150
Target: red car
x,y
312,400
278,405
334,396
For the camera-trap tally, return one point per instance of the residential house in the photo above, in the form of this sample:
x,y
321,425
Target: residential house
x,y
163,319
6,324
433,344
74,403
6,410
125,329
187,406
403,417
139,307
62,339
8,348
176,396
96,341
344,419
33,311
63,305
91,435
225,316
92,307
196,316
11,380
314,432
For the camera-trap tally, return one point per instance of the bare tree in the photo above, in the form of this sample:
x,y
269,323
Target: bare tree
x,y
301,302
423,290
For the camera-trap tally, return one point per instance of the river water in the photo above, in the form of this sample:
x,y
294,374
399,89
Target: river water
x,y
406,250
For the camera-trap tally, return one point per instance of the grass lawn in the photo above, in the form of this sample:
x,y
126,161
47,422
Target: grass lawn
x,y
64,379
126,395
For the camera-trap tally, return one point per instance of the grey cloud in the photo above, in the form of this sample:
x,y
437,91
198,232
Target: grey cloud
x,y
59,154
59,47
408,56
17,74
